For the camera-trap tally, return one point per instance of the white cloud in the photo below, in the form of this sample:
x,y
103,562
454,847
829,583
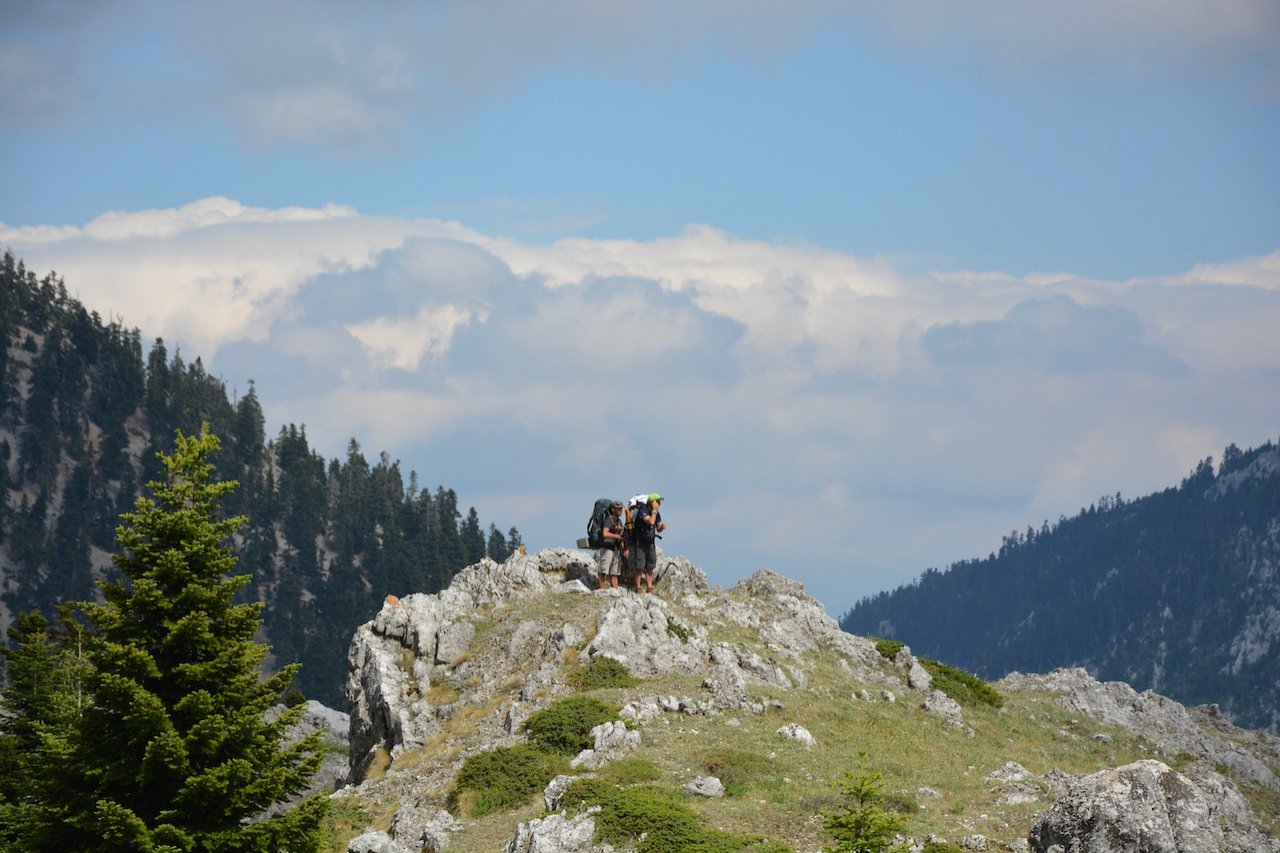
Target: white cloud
x,y
830,416
404,341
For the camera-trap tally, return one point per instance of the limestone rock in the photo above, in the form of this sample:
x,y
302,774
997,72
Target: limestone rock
x,y
435,835
943,706
910,670
705,786
612,741
553,794
1144,806
375,841
556,834
1014,783
797,732
679,579
488,582
638,631
418,824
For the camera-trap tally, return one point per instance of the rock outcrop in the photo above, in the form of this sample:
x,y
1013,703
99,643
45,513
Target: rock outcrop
x,y
420,640
1172,727
1146,806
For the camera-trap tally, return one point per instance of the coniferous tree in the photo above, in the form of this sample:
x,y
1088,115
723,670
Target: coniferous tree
x,y
497,548
45,670
473,544
174,751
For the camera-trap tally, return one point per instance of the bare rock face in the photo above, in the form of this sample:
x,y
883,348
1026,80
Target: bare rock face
x,y
390,658
641,632
1145,806
521,575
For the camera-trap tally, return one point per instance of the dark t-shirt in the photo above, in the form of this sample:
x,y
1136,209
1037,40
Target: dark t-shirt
x,y
646,533
613,525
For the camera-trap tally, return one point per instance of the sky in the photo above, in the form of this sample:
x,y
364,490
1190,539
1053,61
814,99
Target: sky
x,y
860,287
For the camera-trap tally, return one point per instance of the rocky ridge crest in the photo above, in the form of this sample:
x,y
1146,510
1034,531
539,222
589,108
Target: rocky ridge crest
x,y
498,643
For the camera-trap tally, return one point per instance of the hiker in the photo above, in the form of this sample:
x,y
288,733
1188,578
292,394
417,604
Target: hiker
x,y
644,551
610,555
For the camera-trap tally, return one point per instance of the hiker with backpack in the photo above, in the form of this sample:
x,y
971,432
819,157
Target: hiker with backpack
x,y
648,523
604,533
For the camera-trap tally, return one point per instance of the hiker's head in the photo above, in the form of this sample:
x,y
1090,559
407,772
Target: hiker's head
x,y
655,498
615,507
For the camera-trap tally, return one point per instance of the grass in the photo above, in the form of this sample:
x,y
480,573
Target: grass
x,y
655,820
345,820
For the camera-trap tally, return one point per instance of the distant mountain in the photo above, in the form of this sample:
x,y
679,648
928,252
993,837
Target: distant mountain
x,y
1178,591
82,416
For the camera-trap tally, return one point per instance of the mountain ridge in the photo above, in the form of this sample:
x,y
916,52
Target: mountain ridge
x,y
1175,591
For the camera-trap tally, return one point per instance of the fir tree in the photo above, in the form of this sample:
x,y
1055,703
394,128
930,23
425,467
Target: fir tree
x,y
45,671
175,750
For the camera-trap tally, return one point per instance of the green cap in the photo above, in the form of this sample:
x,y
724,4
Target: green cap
x,y
654,497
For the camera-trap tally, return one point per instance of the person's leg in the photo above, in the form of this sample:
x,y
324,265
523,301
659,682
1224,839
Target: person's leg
x,y
614,563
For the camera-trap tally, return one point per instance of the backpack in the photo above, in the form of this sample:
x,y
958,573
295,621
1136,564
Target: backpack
x,y
631,512
596,523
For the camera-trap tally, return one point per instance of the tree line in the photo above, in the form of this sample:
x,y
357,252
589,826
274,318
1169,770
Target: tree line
x,y
1160,592
84,417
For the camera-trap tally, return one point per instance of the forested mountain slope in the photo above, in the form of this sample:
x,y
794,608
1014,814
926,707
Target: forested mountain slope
x,y
1178,591
82,415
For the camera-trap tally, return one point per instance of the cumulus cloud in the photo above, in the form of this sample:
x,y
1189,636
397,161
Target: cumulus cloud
x,y
834,417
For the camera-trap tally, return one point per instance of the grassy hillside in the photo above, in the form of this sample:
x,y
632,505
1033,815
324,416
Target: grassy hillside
x,y
933,772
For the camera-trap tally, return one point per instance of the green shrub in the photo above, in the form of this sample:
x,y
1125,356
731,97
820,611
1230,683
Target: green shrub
x,y
680,632
961,686
565,726
502,778
601,672
888,649
668,825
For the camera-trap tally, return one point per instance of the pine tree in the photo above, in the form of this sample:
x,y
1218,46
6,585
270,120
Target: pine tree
x,y
175,750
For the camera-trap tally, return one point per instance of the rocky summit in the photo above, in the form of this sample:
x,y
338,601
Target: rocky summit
x,y
743,713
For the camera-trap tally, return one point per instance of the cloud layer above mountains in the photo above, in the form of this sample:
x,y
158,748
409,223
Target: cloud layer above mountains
x,y
848,421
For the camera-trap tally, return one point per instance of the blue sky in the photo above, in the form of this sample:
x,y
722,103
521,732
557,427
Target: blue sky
x,y
861,286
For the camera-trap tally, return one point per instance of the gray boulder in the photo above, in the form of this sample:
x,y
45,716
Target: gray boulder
x,y
612,741
796,732
1148,807
555,834
705,786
